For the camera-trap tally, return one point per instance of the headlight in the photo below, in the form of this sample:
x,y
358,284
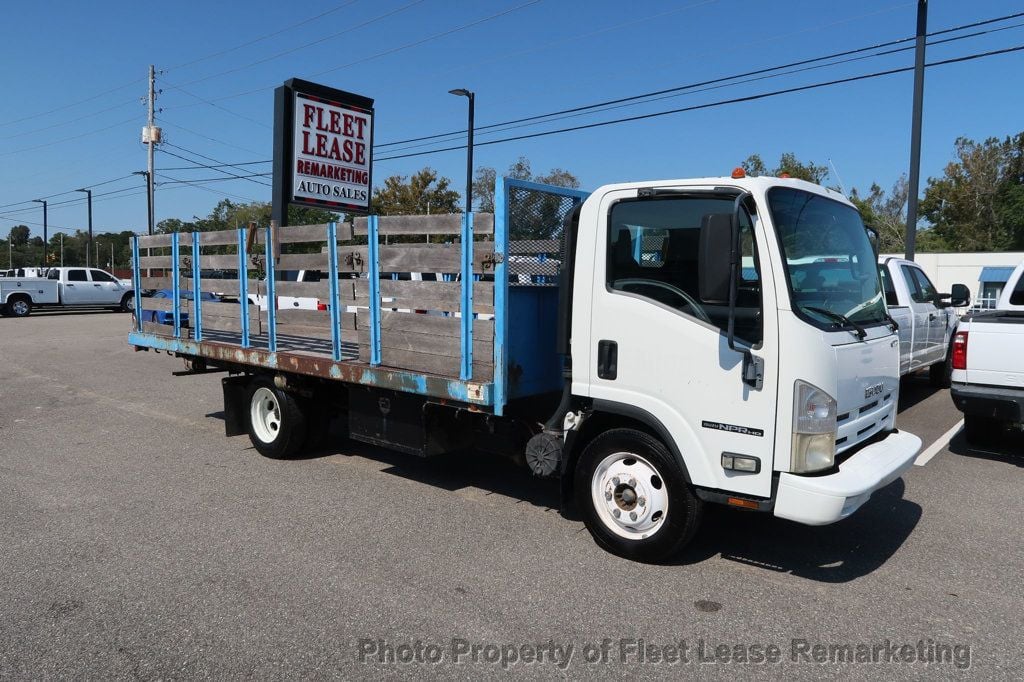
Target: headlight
x,y
814,429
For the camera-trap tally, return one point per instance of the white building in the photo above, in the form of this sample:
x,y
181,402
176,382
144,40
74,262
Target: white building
x,y
985,274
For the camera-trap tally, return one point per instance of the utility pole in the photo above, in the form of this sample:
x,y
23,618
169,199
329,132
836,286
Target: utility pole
x,y
88,244
96,263
62,249
45,234
915,129
110,265
150,137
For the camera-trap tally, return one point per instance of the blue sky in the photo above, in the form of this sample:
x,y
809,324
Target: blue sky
x,y
533,57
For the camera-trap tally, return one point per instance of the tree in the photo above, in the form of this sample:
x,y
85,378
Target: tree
x,y
978,203
423,192
19,235
789,164
485,179
887,213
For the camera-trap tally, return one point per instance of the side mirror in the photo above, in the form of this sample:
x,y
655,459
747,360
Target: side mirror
x,y
715,270
873,238
960,296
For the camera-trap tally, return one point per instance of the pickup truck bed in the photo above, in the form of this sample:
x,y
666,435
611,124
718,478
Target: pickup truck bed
x,y
988,367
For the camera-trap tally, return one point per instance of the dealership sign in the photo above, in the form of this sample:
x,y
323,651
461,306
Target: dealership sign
x,y
323,148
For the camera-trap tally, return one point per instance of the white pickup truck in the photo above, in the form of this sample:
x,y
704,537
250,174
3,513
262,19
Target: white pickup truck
x,y
927,319
65,287
988,365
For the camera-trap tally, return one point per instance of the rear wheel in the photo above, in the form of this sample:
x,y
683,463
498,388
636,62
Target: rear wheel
x,y
277,423
19,306
981,430
634,497
128,303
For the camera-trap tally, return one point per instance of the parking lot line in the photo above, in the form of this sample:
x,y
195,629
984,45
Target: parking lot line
x,y
939,445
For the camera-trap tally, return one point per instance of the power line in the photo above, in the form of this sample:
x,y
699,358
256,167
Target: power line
x,y
261,38
709,105
219,167
68,139
703,83
218,179
630,101
308,44
72,104
212,104
198,185
400,48
207,137
222,165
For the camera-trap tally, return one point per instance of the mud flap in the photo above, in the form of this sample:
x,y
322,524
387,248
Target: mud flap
x,y
235,418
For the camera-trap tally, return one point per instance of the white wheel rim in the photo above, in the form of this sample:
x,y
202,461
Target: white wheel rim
x,y
265,414
630,496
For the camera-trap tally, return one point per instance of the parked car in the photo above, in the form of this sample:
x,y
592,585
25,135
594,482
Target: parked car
x,y
988,365
927,319
167,316
65,288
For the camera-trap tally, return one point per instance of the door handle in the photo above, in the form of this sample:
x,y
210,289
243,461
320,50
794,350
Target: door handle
x,y
70,285
607,359
95,285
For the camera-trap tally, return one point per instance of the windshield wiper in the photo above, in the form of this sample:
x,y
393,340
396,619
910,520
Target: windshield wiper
x,y
838,317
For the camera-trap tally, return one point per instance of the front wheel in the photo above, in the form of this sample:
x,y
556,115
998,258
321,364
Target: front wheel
x,y
634,497
128,303
277,423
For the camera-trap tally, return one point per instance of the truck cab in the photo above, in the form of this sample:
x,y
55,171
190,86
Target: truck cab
x,y
927,319
695,317
80,286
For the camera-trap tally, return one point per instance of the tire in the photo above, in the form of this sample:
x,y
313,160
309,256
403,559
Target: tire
x,y
19,306
981,430
667,512
127,303
940,375
4,312
276,421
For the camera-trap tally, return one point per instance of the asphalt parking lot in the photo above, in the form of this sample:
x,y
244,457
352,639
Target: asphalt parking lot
x,y
138,541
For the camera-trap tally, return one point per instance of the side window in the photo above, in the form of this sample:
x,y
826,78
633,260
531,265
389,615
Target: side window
x,y
653,253
925,287
100,276
77,276
1017,297
53,274
887,287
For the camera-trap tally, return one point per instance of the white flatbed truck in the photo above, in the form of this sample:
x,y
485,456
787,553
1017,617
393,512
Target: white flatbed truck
x,y
674,362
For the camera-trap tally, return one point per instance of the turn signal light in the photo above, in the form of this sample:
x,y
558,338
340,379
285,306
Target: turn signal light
x,y
960,350
738,173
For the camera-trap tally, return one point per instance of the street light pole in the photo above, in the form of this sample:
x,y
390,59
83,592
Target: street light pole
x,y
915,129
149,200
46,235
89,243
62,249
462,92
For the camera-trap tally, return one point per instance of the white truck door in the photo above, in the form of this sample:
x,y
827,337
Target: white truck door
x,y
77,289
657,347
932,320
902,314
919,311
105,288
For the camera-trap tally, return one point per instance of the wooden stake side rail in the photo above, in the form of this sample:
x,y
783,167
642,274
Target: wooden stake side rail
x,y
414,327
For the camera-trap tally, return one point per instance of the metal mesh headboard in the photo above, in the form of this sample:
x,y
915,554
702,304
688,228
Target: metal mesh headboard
x,y
536,219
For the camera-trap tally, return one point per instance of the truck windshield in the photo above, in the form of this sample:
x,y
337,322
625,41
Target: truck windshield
x,y
832,270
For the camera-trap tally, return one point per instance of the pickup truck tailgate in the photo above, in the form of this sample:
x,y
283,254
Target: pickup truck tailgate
x,y
995,349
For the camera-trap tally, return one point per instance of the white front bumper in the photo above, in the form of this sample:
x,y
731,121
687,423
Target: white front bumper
x,y
818,500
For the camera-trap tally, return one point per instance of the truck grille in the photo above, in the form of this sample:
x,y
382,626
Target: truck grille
x,y
855,426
